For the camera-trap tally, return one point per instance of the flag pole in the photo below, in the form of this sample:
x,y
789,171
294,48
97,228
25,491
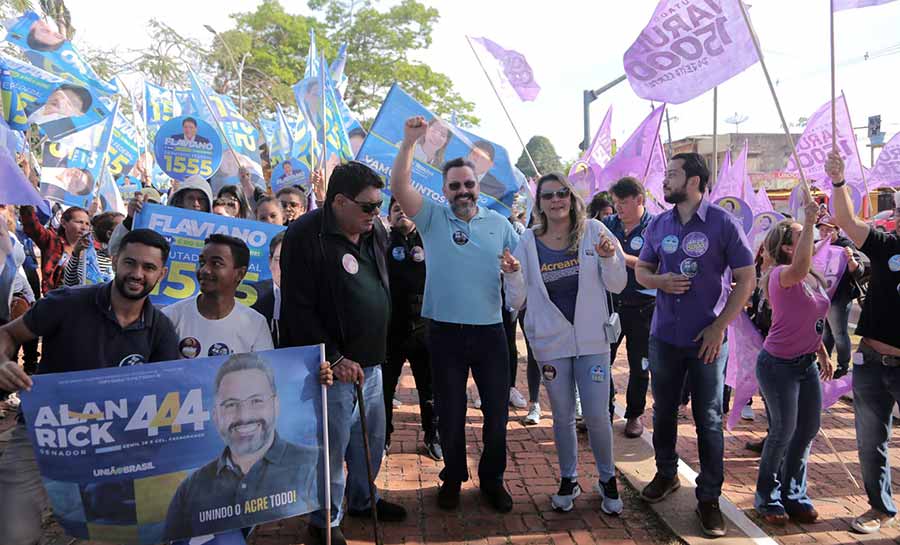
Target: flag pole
x,y
324,115
326,452
787,131
502,105
833,92
715,161
839,457
867,201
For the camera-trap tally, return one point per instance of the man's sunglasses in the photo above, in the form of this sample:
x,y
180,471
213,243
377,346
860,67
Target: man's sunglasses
x,y
559,194
454,186
368,207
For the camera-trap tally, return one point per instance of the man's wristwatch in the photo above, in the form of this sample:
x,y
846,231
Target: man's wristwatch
x,y
839,184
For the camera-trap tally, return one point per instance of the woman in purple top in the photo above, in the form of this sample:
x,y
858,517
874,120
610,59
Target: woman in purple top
x,y
787,372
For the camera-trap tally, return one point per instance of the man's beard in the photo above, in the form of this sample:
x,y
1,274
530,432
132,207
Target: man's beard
x,y
462,205
120,286
675,197
251,445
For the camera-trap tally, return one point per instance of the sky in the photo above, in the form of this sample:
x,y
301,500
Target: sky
x,y
576,45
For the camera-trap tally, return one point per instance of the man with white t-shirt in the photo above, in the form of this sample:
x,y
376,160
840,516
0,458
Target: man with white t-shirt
x,y
213,323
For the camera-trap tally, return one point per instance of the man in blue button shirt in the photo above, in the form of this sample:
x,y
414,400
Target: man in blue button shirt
x,y
462,302
686,252
634,304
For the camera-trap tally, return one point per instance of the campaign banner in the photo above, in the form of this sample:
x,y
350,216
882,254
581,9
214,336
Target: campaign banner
x,y
142,454
831,262
289,172
186,230
689,47
162,104
440,143
739,209
583,173
58,107
762,224
186,146
241,138
51,51
886,172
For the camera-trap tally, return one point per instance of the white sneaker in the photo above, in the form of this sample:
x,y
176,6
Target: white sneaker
x,y
564,500
534,415
872,521
747,413
516,399
610,503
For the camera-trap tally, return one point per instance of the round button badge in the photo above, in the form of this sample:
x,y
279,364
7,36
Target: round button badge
x,y
670,244
689,267
350,264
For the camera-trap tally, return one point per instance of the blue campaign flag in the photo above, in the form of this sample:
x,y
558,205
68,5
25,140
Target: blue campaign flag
x,y
58,107
441,143
242,137
50,51
312,57
162,104
137,454
124,151
295,167
186,146
92,272
337,68
15,189
186,230
111,191
329,123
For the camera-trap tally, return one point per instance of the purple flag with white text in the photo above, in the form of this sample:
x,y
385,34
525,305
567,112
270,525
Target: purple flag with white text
x,y
840,5
886,172
635,156
584,172
514,69
689,47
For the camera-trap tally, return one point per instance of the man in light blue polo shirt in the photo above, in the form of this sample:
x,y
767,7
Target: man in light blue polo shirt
x,y
462,303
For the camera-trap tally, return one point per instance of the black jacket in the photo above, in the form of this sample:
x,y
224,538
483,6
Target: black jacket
x,y
312,311
265,305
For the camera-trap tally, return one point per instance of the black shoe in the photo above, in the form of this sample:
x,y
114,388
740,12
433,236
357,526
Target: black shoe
x,y
711,520
317,535
433,450
387,512
659,488
448,495
756,446
497,496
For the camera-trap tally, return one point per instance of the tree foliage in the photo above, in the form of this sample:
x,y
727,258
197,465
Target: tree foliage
x,y
544,155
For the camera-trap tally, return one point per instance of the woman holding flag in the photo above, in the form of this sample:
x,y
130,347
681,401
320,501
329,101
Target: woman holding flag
x,y
569,264
787,372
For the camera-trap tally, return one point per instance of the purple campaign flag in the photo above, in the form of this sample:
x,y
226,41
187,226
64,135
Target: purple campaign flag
x,y
583,173
744,344
833,390
886,172
515,69
840,5
689,47
731,184
654,198
635,157
831,262
15,188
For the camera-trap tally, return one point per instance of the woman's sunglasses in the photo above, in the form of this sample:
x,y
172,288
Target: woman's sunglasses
x,y
454,186
559,194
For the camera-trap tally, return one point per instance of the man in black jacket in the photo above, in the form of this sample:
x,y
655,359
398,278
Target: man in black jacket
x,y
268,292
334,290
406,337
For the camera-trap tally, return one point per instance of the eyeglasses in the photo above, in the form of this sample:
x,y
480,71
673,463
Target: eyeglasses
x,y
254,403
290,204
559,194
369,207
454,186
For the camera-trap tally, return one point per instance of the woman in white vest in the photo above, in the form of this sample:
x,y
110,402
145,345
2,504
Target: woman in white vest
x,y
565,266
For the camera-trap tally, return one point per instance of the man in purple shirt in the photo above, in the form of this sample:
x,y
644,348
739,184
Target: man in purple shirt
x,y
686,252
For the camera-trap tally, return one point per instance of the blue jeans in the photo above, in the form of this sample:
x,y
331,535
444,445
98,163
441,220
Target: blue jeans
x,y
794,400
669,364
876,389
591,374
837,332
346,443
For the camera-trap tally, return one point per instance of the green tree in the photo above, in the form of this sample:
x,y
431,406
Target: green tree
x,y
544,155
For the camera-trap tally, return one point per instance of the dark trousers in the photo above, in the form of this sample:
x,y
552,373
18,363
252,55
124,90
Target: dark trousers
x,y
635,322
509,329
412,349
30,349
454,350
532,370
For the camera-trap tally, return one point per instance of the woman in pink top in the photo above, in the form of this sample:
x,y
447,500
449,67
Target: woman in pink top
x,y
787,372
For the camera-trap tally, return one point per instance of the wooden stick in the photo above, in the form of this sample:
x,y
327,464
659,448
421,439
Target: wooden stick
x,y
502,105
715,169
867,201
833,93
840,459
326,452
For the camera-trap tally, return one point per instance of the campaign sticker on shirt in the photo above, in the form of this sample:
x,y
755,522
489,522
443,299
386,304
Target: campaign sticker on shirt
x,y
549,372
351,265
598,374
417,253
670,244
133,359
219,349
399,253
695,244
189,347
894,263
689,267
820,326
460,237
637,243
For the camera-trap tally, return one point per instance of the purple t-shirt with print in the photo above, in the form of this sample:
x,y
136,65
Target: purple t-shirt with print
x,y
798,317
702,249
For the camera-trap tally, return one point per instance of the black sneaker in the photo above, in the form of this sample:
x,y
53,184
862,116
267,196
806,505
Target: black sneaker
x,y
317,535
564,500
448,495
497,496
711,520
387,512
433,450
659,488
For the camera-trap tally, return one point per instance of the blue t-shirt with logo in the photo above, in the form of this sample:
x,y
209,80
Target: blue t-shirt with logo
x,y
559,271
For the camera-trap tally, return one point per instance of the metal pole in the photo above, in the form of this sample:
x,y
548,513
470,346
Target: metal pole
x,y
502,105
590,96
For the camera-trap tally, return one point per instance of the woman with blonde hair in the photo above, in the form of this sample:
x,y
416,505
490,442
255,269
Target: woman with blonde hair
x,y
787,372
565,266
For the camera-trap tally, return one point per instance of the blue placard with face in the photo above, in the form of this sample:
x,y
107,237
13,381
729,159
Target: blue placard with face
x,y
186,146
